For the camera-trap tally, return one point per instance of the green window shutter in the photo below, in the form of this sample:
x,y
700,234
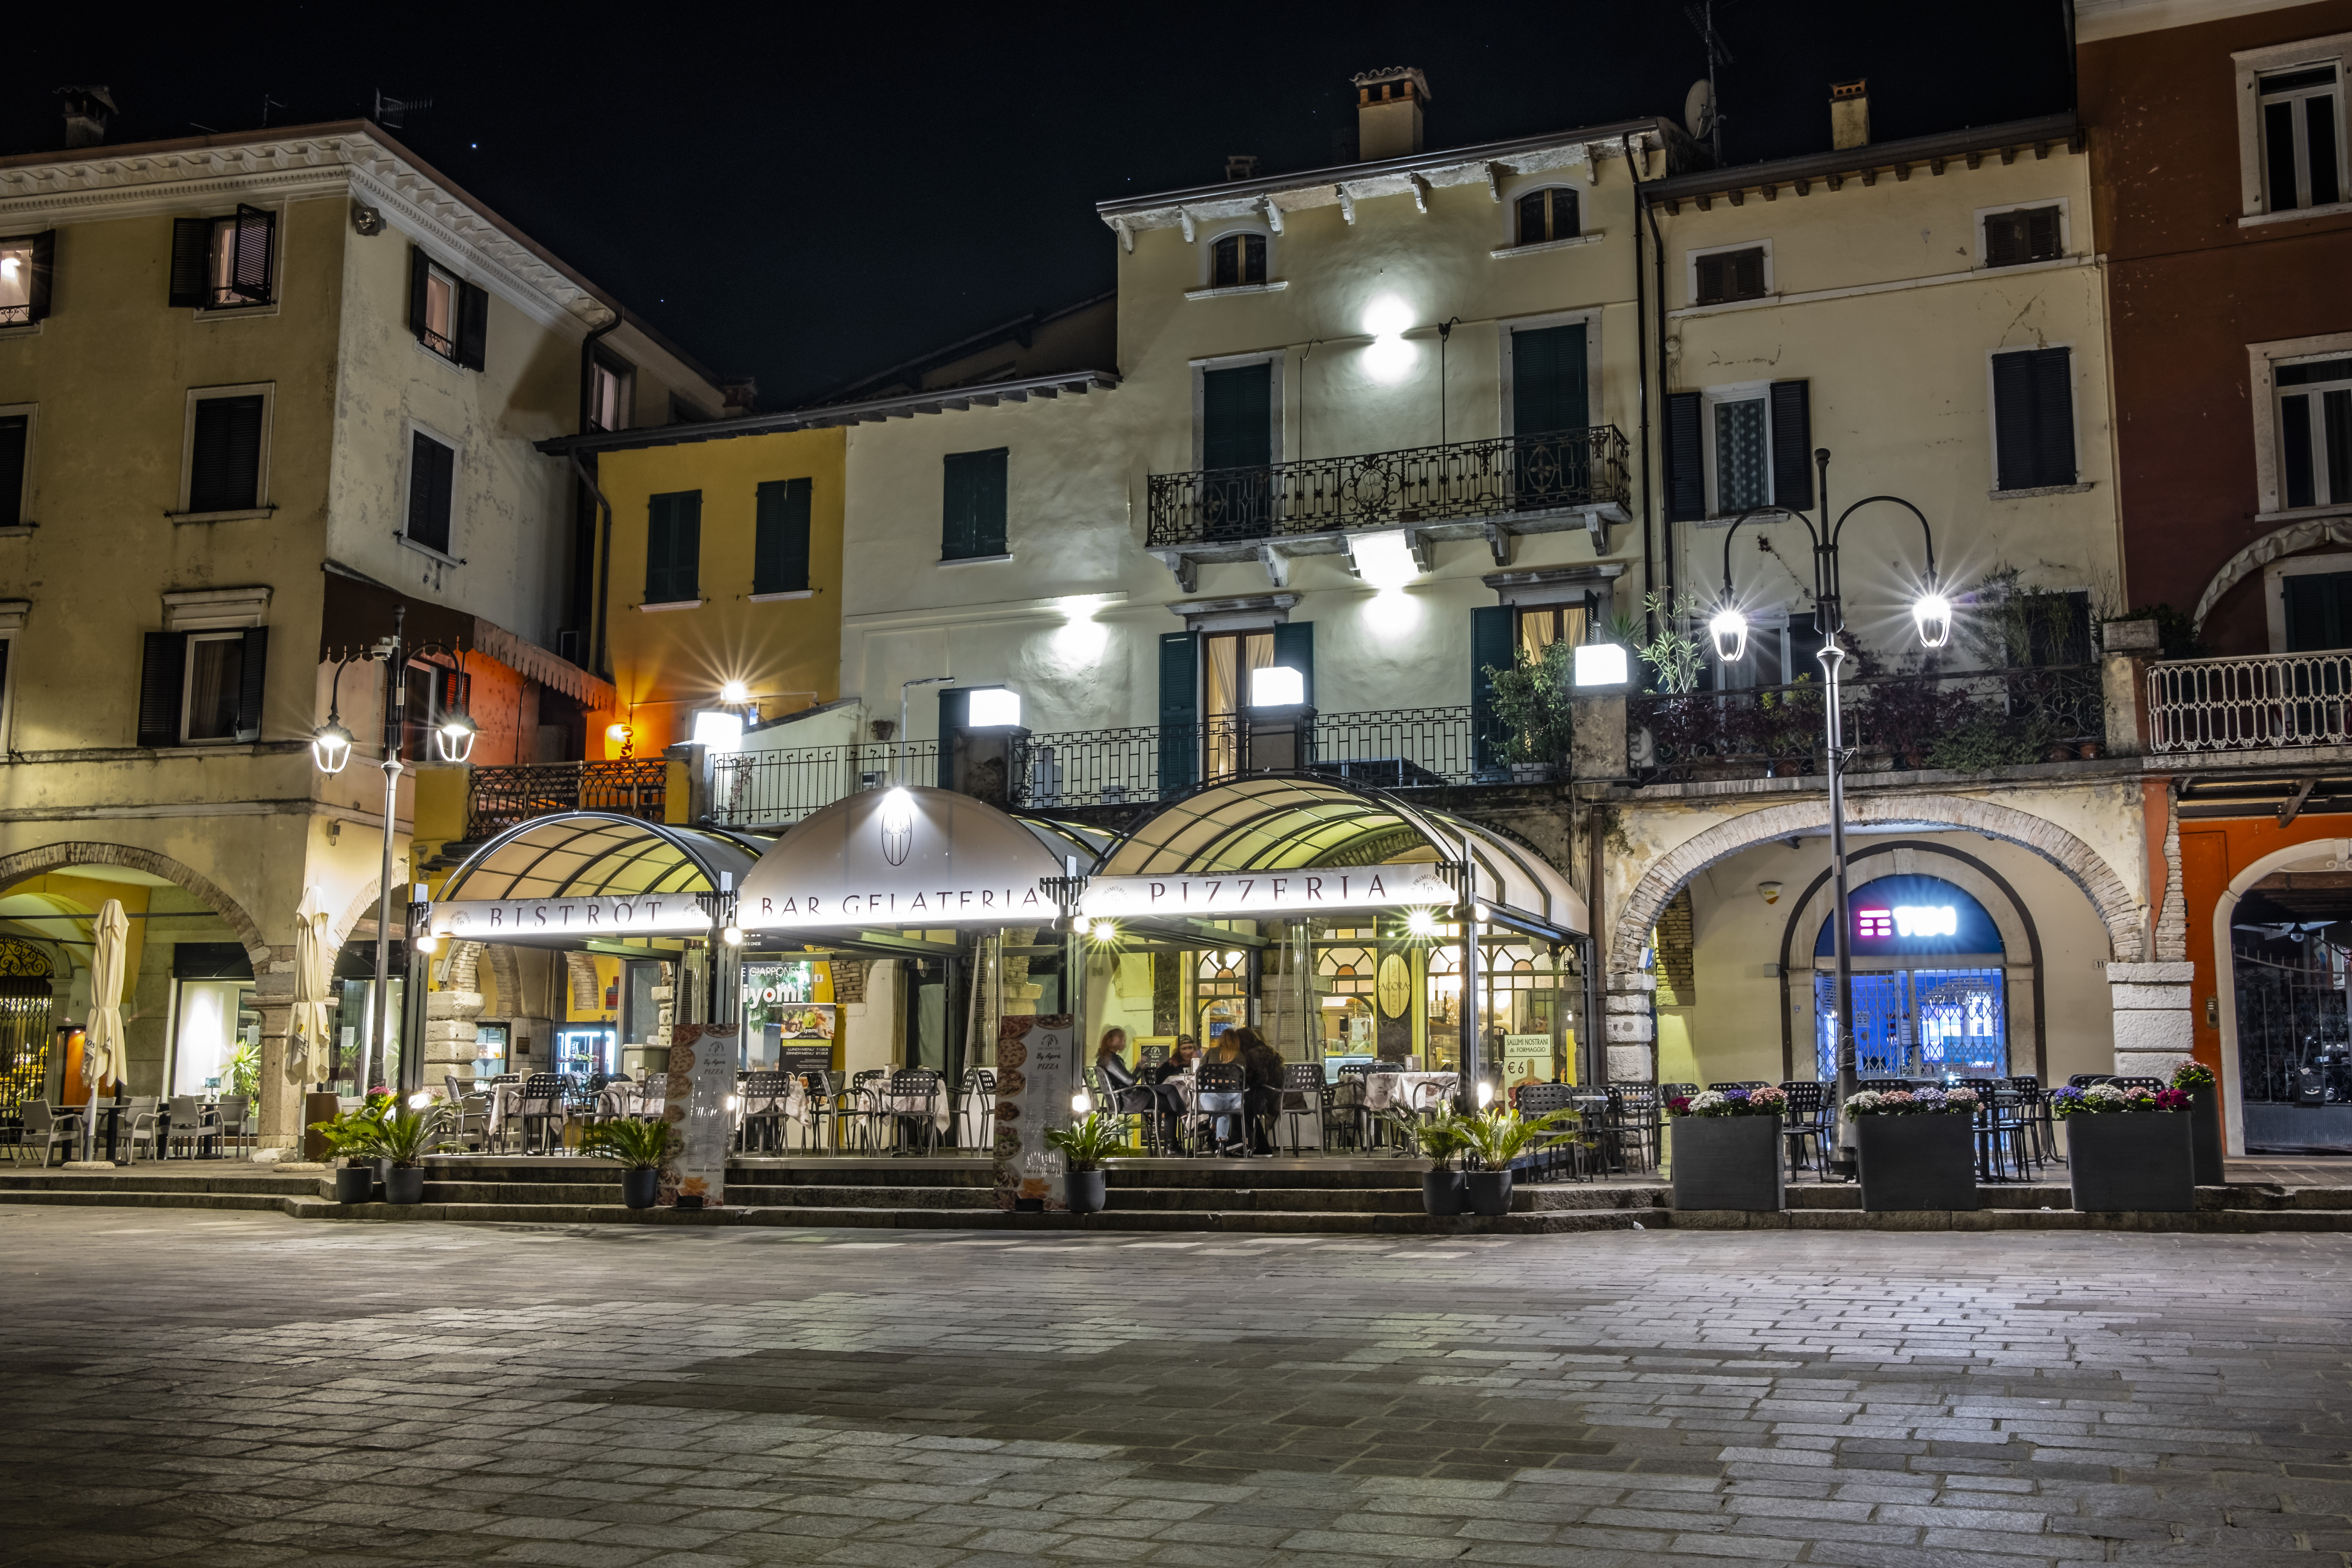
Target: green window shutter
x,y
1685,462
1294,648
2033,418
473,325
972,510
780,549
255,235
1493,645
225,459
420,273
1237,417
432,476
15,432
1179,712
251,686
191,248
955,712
1792,445
673,547
1547,380
163,682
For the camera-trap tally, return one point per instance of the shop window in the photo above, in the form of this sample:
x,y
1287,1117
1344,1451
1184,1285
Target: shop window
x,y
202,688
1547,215
2033,418
28,269
224,263
449,315
2315,419
1236,261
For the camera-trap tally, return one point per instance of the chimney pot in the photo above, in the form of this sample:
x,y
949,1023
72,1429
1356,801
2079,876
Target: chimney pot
x,y
1388,112
1241,166
87,110
1849,114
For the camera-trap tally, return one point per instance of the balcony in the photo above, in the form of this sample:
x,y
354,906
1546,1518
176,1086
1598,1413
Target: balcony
x,y
1492,490
2266,702
498,798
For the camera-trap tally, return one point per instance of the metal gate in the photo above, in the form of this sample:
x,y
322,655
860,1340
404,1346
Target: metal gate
x,y
2290,1017
1917,1023
25,1034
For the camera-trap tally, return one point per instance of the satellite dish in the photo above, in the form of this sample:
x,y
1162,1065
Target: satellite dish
x,y
1698,109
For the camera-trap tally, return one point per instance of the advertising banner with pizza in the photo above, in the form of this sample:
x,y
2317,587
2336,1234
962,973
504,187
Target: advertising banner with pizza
x,y
1036,1071
701,1128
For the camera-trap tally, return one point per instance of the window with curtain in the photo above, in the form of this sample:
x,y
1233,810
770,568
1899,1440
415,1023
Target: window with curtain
x,y
1548,215
1743,466
1540,625
1226,661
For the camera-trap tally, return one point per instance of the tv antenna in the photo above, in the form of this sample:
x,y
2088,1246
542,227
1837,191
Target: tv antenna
x,y
1702,110
392,113
269,103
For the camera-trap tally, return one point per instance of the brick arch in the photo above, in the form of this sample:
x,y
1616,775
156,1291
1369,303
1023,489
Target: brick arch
x,y
26,864
508,976
362,907
2084,866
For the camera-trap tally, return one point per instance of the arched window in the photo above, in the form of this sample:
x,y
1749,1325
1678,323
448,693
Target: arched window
x,y
1549,214
1237,260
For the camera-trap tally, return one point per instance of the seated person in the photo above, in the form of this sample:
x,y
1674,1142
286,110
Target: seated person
x,y
1263,1064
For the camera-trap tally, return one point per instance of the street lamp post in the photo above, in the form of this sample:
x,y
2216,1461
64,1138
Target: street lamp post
x,y
1932,613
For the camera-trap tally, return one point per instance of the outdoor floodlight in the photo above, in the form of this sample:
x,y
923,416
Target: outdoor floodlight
x,y
1730,629
718,731
1277,685
993,708
1601,664
1082,1102
735,693
1420,922
1103,931
331,745
1933,611
731,935
455,738
428,943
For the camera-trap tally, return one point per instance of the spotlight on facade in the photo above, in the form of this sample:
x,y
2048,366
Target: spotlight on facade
x,y
993,708
1933,612
1420,922
1102,931
1601,664
735,693
1730,629
330,746
1082,1102
428,943
731,935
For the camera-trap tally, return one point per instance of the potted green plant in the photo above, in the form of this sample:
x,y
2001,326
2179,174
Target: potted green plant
x,y
1727,1145
1917,1147
349,1136
404,1138
1495,1138
1085,1145
1439,1137
638,1146
1532,705
2195,1080
2128,1150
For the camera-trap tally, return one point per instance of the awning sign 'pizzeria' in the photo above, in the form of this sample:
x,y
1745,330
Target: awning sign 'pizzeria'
x,y
594,914
1276,892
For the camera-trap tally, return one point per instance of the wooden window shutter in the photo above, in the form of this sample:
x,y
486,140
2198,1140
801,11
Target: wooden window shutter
x,y
2004,239
1294,648
955,509
42,284
673,546
1237,417
1710,272
780,547
988,518
2033,418
972,508
1792,445
432,478
256,232
955,713
1564,221
225,467
1686,461
1252,259
2054,416
2042,242
1531,218
191,248
420,275
251,684
1748,274
15,434
162,678
473,325
1179,712
1494,643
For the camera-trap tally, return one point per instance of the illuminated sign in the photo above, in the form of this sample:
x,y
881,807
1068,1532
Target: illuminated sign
x,y
1927,919
1253,892
600,914
1869,924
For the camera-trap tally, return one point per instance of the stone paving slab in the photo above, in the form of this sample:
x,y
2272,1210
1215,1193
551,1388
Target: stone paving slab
x,y
188,1389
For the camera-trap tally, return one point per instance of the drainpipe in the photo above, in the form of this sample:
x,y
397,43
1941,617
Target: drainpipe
x,y
1641,373
1658,276
598,586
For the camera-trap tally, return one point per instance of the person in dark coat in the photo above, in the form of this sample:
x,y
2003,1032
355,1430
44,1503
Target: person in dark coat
x,y
1263,1064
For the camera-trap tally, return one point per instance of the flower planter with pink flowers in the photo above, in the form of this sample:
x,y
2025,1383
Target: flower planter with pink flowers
x,y
1727,1149
1917,1148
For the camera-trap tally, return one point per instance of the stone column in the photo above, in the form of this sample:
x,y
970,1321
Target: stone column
x,y
277,1120
1632,1029
449,1034
2123,683
2155,1020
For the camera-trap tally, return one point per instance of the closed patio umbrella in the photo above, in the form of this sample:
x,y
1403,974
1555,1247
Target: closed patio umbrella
x,y
102,1054
311,1061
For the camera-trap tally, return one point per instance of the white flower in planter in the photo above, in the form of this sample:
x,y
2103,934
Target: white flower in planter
x,y
1707,1099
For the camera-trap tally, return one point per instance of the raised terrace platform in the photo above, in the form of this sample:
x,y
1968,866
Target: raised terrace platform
x,y
1311,1195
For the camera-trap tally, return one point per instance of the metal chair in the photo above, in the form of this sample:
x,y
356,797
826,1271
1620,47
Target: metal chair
x,y
1635,1110
2085,1079
2153,1085
471,1130
231,1124
1537,1100
539,1110
1356,1130
136,1124
975,1109
186,1127
1805,1122
1727,1087
1221,1097
1676,1090
920,1127
1302,1094
50,1127
2033,1111
866,1106
764,1098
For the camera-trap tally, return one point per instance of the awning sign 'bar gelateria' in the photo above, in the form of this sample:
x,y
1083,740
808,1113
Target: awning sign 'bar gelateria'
x,y
1370,887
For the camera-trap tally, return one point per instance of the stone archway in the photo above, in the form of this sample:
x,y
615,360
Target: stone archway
x,y
29,863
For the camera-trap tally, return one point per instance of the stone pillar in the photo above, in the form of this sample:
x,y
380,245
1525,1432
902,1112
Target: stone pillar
x,y
277,1120
1632,1030
2123,683
1597,750
2155,1020
449,1034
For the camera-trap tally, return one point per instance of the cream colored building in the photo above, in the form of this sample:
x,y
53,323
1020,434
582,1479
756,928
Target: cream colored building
x,y
266,389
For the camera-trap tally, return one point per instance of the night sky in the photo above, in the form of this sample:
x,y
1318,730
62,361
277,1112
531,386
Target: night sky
x,y
808,193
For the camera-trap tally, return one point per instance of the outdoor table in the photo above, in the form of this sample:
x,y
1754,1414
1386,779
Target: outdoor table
x,y
1408,1091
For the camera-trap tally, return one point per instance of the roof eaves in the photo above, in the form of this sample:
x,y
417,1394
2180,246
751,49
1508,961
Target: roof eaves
x,y
2042,133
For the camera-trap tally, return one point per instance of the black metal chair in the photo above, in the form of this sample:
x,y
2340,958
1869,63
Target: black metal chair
x,y
1561,1150
1804,1123
1355,1130
1676,1090
866,1107
1743,1083
764,1096
1221,1098
539,1109
1120,1094
2085,1079
921,1128
1303,1094
1634,1112
975,1113
2033,1111
2153,1085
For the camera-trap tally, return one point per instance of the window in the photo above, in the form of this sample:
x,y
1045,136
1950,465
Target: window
x,y
1547,215
1729,449
780,549
223,263
1719,277
971,522
674,548
431,691
431,484
202,688
2314,416
612,385
2302,137
448,316
1540,625
2033,420
2319,611
228,439
15,442
2022,233
1237,260
27,266
1550,379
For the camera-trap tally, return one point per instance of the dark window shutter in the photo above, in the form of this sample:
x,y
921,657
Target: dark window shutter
x,y
780,548
673,546
2319,137
955,510
15,432
1708,272
249,276
1564,221
2336,430
473,325
2295,433
224,468
2041,235
251,683
2054,416
2318,612
162,675
192,246
43,284
2004,239
1547,380
1179,712
1747,274
432,478
955,713
972,521
1252,259
988,526
1493,645
1237,417
420,274
1223,264
1294,648
1531,218
2033,418
1792,445
1686,464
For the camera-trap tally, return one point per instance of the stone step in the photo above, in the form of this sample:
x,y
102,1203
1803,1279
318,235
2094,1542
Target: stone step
x,y
138,1179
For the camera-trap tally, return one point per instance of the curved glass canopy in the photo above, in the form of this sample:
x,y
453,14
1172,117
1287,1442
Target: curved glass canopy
x,y
591,854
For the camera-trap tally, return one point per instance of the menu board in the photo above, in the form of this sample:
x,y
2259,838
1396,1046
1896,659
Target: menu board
x,y
701,1080
1035,1067
1526,1058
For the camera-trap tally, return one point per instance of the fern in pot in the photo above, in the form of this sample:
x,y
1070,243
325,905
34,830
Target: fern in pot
x,y
638,1147
1085,1145
1495,1139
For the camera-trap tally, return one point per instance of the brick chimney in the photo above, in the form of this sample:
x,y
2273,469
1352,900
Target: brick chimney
x,y
1388,112
86,109
1849,114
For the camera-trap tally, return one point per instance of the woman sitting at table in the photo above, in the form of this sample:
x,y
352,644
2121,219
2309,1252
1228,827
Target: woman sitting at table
x,y
1183,1061
1263,1065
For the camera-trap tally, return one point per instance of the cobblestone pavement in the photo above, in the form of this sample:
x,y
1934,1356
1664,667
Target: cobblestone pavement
x,y
184,1388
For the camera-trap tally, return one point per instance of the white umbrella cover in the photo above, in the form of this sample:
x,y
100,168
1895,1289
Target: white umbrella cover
x,y
102,1054
309,1023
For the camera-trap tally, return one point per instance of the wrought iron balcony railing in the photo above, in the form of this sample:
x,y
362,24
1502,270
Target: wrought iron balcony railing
x,y
499,797
770,788
1462,481
2250,704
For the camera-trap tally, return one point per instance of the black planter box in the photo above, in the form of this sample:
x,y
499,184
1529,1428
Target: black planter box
x,y
1730,1162
2132,1161
2205,1134
1924,1160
